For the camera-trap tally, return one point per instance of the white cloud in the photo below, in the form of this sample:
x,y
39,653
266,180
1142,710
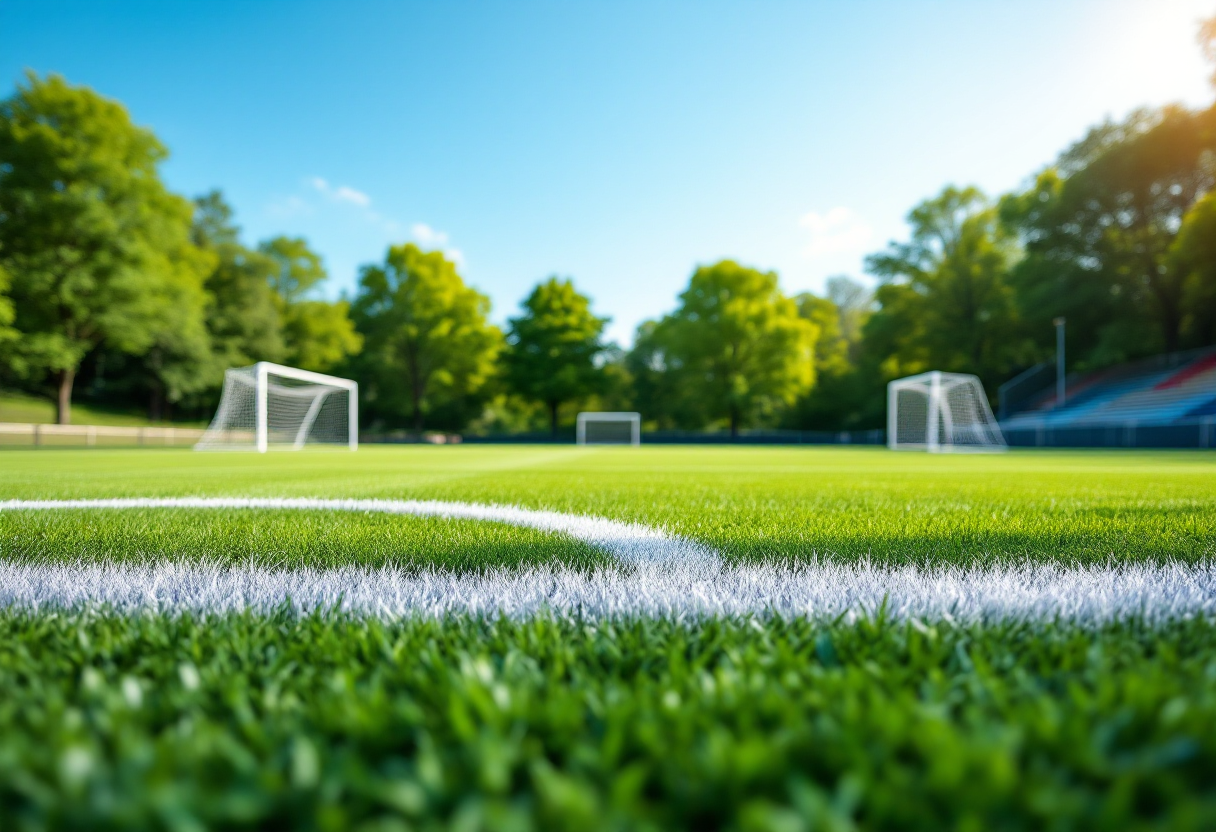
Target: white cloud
x,y
345,194
839,230
433,238
428,236
342,193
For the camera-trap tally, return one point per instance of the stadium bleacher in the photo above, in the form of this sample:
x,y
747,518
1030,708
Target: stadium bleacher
x,y
1170,390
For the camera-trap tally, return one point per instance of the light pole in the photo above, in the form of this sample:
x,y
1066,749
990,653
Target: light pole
x,y
1059,322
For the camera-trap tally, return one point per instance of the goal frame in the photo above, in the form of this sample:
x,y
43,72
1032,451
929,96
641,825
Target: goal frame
x,y
937,416
634,419
263,370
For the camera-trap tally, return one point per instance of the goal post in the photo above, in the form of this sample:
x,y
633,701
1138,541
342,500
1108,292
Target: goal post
x,y
270,406
604,428
941,412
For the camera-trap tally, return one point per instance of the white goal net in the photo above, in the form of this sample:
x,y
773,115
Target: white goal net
x,y
609,428
269,406
938,411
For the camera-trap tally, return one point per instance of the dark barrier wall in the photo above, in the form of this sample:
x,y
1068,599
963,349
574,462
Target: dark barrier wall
x,y
690,437
1198,434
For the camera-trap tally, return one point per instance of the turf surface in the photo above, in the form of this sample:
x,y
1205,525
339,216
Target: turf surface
x,y
748,503
182,722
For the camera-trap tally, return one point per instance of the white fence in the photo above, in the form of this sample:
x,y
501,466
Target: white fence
x,y
16,433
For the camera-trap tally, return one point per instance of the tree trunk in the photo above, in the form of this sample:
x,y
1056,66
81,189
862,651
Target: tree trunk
x,y
417,387
63,406
156,403
553,420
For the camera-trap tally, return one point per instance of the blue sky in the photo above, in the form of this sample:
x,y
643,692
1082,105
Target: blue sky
x,y
618,143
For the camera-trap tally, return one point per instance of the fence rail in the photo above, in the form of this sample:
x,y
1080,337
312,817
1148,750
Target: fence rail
x,y
18,433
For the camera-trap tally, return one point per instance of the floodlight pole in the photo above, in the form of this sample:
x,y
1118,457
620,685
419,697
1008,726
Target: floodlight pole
x,y
1059,322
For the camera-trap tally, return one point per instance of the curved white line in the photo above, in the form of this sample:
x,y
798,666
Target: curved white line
x,y
627,542
660,575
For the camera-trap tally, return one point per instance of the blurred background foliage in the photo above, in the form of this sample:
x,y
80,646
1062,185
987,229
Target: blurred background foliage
x,y
120,295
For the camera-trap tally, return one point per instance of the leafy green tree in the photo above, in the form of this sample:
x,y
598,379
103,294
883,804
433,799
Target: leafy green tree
x,y
736,348
8,334
654,392
1192,259
427,341
553,347
243,313
954,309
841,396
97,249
831,348
1098,229
298,269
318,334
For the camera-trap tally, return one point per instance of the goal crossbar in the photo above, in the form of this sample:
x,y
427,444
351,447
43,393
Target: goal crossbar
x,y
633,420
234,426
938,411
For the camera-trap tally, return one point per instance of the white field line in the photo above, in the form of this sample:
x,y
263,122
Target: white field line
x,y
658,575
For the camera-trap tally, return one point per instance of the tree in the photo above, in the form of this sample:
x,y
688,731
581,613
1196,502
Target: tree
x,y
318,334
427,340
1192,259
297,268
1097,231
97,249
552,349
8,335
954,308
736,347
831,348
243,313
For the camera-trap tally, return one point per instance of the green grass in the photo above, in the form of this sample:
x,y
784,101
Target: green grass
x,y
750,503
22,407
326,722
281,539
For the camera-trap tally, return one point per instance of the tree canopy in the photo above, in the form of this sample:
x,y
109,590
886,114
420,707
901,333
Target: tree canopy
x,y
736,348
428,346
553,347
955,309
97,249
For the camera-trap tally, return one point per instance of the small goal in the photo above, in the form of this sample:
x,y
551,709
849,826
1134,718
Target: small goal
x,y
940,412
595,428
269,406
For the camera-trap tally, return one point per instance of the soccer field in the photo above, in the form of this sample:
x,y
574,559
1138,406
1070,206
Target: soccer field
x,y
561,637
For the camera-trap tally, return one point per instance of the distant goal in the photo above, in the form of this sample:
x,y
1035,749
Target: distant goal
x,y
594,428
940,412
269,406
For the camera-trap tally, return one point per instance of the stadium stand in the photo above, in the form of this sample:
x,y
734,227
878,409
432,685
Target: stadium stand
x,y
1168,400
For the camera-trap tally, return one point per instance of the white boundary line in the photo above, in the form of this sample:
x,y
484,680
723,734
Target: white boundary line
x,y
657,574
